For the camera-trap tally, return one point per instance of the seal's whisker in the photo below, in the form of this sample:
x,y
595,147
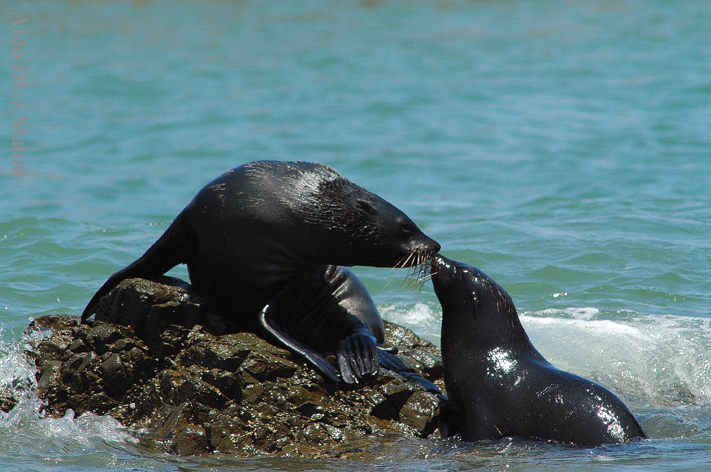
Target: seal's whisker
x,y
408,259
411,262
399,266
391,279
418,268
401,263
415,282
419,272
423,274
405,263
406,283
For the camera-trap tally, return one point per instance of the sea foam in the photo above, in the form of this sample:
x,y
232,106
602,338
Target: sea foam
x,y
28,423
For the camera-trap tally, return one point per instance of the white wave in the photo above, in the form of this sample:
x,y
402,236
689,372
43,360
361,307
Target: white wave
x,y
27,422
422,318
577,313
28,419
649,360
656,360
17,372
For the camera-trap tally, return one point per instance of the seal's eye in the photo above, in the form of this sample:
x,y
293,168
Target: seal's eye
x,y
408,227
404,225
366,207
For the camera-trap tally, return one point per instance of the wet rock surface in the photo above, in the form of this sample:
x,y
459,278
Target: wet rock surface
x,y
163,366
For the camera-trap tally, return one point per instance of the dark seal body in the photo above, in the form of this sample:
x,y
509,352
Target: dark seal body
x,y
266,227
499,385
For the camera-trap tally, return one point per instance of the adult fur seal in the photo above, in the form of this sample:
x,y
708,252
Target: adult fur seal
x,y
499,385
263,234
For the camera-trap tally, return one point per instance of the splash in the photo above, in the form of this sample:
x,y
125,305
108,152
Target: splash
x,y
422,318
650,360
27,428
656,360
16,370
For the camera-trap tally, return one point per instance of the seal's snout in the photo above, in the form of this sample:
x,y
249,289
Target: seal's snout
x,y
419,251
441,263
443,269
428,247
435,263
419,241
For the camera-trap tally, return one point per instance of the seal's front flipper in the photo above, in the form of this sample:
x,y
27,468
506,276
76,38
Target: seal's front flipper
x,y
358,358
271,328
328,310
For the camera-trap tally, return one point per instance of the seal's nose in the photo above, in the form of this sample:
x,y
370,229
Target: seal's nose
x,y
435,263
443,267
423,244
434,246
438,262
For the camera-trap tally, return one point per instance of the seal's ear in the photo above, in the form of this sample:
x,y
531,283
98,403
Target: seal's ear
x,y
366,207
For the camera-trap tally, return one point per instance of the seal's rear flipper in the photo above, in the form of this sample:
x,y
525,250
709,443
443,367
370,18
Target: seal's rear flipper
x,y
270,327
162,256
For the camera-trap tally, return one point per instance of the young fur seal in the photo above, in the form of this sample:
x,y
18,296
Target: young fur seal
x,y
273,234
499,385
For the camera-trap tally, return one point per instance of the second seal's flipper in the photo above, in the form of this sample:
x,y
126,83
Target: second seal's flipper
x,y
270,327
390,361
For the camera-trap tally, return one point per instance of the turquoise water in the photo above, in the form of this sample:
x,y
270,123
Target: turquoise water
x,y
562,147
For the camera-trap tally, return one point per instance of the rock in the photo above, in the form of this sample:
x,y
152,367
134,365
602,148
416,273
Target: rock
x,y
203,389
191,440
151,307
7,401
417,413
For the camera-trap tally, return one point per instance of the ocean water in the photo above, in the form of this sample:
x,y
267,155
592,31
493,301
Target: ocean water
x,y
563,147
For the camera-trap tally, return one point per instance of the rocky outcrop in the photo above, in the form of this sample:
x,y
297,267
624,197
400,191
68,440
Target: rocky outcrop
x,y
165,366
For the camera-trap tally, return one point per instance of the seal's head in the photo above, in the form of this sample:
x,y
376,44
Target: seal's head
x,y
469,294
337,221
